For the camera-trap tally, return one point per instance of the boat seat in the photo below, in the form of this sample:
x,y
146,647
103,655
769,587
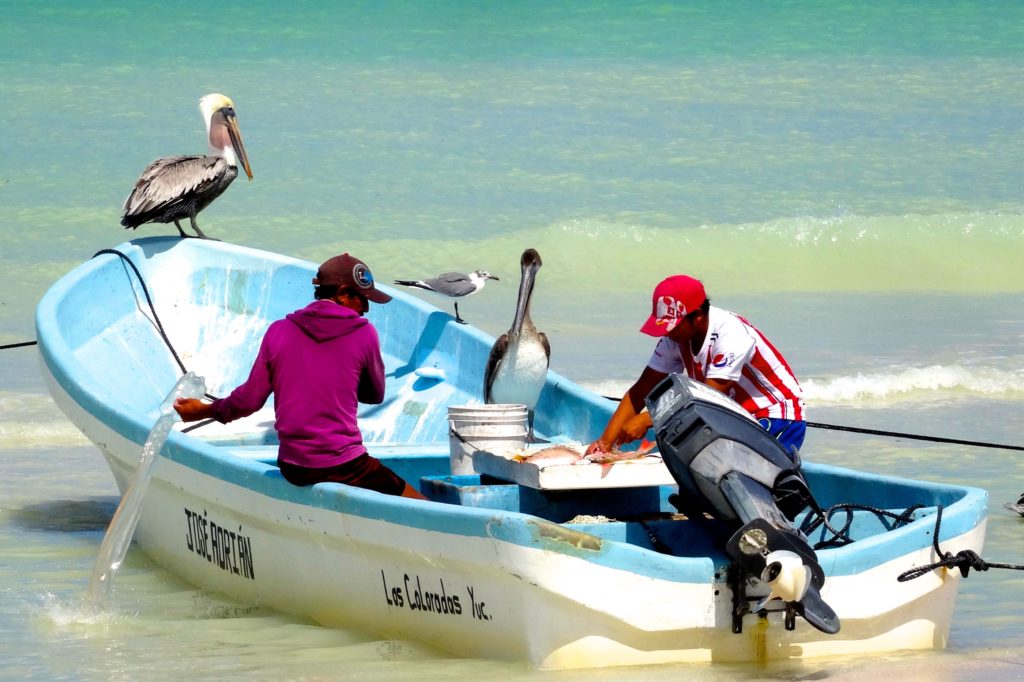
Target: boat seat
x,y
471,490
482,490
260,453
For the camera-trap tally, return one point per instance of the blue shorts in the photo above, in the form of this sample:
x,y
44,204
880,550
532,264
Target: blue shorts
x,y
788,432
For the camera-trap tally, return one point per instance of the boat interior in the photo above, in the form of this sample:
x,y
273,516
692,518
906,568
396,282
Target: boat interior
x,y
642,516
431,363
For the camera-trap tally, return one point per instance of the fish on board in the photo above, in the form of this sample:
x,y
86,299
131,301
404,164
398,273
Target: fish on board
x,y
554,455
564,454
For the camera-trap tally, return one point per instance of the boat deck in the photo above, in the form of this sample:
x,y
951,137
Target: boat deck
x,y
428,465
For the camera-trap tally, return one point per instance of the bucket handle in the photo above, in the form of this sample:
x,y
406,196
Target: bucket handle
x,y
453,432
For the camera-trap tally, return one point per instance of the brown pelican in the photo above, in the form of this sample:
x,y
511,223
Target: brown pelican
x,y
179,187
452,284
520,357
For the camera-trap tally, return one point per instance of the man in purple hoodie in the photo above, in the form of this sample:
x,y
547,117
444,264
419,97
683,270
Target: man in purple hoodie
x,y
320,362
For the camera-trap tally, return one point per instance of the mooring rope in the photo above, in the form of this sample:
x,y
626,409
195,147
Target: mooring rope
x,y
20,344
841,536
896,434
149,300
965,559
152,309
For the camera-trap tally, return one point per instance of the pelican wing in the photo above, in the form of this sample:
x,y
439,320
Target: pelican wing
x,y
547,346
170,180
494,360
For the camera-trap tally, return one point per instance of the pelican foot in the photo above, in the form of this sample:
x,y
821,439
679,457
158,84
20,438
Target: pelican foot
x,y
199,233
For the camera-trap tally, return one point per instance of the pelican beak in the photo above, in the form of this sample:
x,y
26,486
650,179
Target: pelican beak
x,y
523,300
236,141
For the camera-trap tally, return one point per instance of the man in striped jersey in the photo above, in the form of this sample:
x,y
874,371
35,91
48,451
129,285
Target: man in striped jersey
x,y
717,348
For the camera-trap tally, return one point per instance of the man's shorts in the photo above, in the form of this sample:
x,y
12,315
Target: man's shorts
x,y
363,472
788,432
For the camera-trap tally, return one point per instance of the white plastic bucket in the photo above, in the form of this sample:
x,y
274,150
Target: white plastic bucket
x,y
500,429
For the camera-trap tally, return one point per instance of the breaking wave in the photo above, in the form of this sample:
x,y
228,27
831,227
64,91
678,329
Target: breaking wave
x,y
39,434
934,382
965,253
32,421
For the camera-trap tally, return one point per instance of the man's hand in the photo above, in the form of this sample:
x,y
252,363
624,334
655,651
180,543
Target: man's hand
x,y
192,409
636,428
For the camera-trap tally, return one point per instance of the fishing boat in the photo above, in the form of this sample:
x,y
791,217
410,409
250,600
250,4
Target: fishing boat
x,y
564,566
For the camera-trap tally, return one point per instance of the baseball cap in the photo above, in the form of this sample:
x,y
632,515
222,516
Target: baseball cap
x,y
674,298
346,270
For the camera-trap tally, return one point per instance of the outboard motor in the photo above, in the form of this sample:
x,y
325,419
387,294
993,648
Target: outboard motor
x,y
731,468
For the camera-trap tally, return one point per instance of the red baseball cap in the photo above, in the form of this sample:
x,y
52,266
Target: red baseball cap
x,y
674,298
346,270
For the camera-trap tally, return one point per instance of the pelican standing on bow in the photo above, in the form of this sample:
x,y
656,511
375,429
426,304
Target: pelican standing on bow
x,y
179,187
519,359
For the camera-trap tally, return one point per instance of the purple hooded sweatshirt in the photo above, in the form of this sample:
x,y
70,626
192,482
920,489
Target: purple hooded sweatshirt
x,y
319,362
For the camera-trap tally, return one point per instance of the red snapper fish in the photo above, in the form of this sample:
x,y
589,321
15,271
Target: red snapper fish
x,y
556,454
564,454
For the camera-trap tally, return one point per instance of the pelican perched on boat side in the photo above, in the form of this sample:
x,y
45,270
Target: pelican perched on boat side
x,y
179,187
520,357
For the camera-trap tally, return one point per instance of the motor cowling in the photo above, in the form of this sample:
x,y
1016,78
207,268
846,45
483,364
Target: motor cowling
x,y
729,467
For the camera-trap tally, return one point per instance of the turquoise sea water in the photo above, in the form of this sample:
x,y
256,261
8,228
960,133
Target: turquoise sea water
x,y
846,175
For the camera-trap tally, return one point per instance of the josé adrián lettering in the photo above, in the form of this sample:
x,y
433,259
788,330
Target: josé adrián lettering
x,y
226,549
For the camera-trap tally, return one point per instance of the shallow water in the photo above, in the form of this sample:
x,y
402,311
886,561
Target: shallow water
x,y
846,176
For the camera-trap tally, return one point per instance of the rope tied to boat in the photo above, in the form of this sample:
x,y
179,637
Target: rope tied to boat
x,y
149,300
152,309
20,344
965,559
896,434
841,536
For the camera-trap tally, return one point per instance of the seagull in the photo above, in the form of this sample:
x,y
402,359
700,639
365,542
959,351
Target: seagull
x,y
179,187
519,359
452,285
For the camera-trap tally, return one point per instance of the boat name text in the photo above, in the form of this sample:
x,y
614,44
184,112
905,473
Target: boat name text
x,y
411,592
226,549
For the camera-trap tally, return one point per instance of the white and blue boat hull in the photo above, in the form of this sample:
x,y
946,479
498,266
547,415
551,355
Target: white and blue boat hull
x,y
481,572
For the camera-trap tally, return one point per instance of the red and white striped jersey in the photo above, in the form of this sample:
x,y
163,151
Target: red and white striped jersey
x,y
734,350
